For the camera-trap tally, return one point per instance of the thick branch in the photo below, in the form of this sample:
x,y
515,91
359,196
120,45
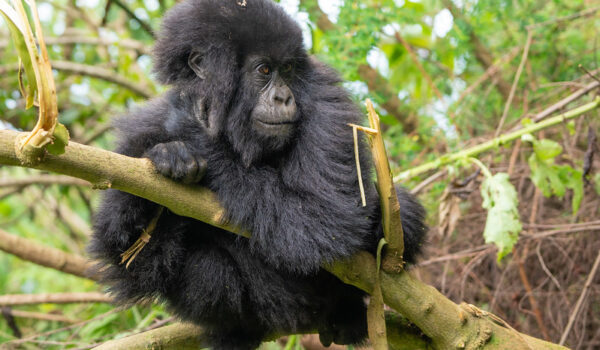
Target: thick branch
x,y
402,336
448,325
106,169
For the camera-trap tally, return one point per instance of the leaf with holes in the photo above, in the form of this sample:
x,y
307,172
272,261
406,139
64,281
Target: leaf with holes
x,y
503,223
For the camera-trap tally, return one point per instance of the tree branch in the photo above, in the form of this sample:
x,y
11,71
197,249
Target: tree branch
x,y
94,72
54,298
43,255
124,43
401,335
39,316
498,141
448,325
43,180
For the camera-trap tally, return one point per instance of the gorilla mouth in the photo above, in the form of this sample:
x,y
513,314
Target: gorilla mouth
x,y
288,122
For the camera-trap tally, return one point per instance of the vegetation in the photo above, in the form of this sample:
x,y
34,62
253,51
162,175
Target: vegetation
x,y
489,112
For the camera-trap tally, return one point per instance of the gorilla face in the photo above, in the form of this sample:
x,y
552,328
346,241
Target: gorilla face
x,y
275,114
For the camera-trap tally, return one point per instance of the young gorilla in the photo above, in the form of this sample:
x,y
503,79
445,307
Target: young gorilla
x,y
253,118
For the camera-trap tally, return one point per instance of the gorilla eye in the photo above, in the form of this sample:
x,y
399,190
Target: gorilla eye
x,y
287,68
264,69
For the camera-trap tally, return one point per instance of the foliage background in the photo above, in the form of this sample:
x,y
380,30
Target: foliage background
x,y
440,73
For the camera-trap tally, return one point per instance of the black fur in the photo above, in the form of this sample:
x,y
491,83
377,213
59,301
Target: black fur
x,y
300,201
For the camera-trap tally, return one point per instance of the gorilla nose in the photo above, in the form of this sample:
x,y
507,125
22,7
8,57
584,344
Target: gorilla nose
x,y
283,96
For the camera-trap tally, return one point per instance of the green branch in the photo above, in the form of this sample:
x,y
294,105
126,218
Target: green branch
x,y
499,141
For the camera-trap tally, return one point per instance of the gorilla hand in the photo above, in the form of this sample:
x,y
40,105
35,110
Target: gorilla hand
x,y
177,161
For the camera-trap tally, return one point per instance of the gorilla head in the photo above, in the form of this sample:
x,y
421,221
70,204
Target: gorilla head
x,y
239,65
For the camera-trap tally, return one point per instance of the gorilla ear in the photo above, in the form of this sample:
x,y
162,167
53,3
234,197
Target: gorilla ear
x,y
195,63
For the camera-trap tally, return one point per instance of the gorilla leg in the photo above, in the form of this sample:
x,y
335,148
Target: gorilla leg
x,y
119,223
345,321
210,291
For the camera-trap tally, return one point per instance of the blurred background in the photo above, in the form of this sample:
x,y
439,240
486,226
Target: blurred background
x,y
445,75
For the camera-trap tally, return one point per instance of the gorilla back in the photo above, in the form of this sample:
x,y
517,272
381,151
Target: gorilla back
x,y
252,117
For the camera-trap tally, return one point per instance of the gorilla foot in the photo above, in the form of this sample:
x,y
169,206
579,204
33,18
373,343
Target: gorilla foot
x,y
343,334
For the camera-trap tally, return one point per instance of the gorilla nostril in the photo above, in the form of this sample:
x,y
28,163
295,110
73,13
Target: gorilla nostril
x,y
284,99
289,100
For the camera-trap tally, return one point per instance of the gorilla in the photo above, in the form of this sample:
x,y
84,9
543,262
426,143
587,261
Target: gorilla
x,y
255,119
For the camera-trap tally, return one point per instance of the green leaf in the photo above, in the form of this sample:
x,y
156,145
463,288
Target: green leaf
x,y
546,149
60,140
503,223
545,177
571,127
573,179
95,328
553,179
17,33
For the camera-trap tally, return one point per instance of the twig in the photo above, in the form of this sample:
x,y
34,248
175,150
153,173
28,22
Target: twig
x,y
43,255
104,74
415,190
43,180
58,330
124,43
54,298
569,225
94,72
521,258
513,88
417,63
557,232
544,267
97,133
489,72
503,139
584,13
459,255
41,316
563,103
582,297
133,16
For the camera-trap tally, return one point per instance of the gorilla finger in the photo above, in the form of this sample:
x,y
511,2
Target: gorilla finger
x,y
162,159
194,171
